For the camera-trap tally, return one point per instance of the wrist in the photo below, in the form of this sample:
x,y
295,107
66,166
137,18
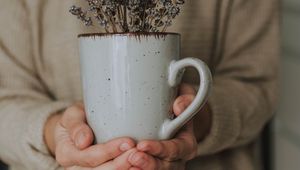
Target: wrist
x,y
49,132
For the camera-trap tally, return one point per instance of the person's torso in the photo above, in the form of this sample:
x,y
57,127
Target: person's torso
x,y
56,45
56,56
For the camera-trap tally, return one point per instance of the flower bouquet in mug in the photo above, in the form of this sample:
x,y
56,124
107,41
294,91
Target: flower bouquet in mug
x,y
130,72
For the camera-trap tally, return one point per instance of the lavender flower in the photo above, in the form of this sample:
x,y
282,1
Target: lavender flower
x,y
81,15
129,15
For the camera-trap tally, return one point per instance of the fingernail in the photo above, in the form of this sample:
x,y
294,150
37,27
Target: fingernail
x,y
142,147
81,138
125,147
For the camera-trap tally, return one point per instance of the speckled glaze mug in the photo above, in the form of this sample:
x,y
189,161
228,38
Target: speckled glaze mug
x,y
129,84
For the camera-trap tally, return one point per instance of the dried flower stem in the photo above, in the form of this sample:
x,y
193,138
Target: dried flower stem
x,y
130,15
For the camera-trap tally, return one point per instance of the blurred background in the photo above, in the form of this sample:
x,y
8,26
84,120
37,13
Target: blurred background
x,y
285,129
281,139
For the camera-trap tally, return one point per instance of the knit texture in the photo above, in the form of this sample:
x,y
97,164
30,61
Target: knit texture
x,y
40,75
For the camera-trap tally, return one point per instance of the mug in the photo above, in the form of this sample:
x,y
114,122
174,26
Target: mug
x,y
130,83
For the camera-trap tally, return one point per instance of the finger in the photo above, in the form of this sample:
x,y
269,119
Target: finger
x,y
186,89
183,147
99,154
187,94
74,120
143,161
182,102
73,115
95,155
120,163
82,135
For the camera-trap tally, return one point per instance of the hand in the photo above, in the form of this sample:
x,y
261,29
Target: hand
x,y
174,153
166,155
70,139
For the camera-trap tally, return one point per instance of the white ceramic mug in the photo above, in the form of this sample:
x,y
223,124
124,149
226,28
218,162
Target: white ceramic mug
x,y
129,84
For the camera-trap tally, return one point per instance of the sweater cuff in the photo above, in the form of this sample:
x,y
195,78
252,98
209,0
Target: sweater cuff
x,y
225,123
35,137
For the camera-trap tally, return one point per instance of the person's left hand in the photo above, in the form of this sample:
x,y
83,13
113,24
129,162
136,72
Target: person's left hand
x,y
170,154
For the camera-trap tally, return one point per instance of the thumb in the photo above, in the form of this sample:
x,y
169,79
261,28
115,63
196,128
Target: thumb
x,y
74,120
82,136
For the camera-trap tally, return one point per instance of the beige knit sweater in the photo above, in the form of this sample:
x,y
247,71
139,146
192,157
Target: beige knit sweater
x,y
39,75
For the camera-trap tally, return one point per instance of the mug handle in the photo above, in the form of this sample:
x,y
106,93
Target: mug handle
x,y
170,127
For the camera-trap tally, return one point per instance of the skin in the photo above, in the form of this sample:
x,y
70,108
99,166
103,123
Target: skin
x,y
69,139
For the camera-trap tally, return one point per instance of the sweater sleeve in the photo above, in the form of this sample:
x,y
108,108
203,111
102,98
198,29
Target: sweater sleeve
x,y
244,92
25,103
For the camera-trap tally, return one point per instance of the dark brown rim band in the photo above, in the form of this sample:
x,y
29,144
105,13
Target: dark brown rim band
x,y
128,34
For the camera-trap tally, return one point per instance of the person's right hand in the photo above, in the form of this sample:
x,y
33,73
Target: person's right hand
x,y
70,139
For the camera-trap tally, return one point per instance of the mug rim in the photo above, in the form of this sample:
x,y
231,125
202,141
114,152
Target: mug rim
x,y
127,34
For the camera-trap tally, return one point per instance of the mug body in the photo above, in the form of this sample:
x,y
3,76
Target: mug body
x,y
125,83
